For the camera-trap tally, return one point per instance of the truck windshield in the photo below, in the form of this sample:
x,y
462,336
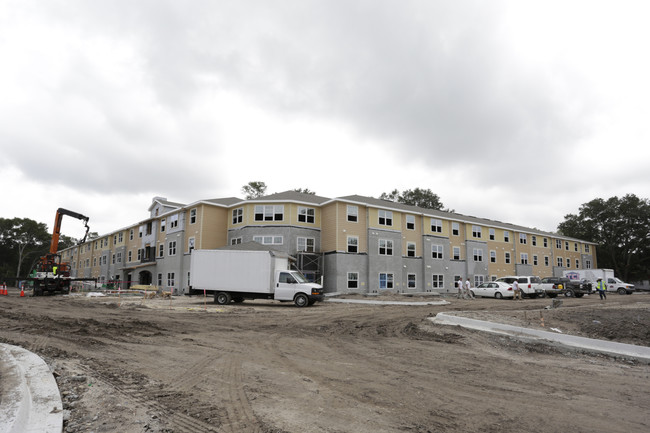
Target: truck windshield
x,y
299,277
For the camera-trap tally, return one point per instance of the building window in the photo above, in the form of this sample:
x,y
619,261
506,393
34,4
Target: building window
x,y
173,221
269,213
410,281
162,224
546,261
492,234
577,263
533,240
455,229
493,256
436,225
385,281
523,238
306,215
170,279
306,244
558,244
566,245
160,276
140,230
130,256
586,248
410,249
478,280
575,246
535,260
192,216
268,240
476,231
436,252
587,264
478,255
560,262
190,245
524,258
353,280
113,259
131,235
385,218
172,248
437,281
385,247
353,244
139,254
235,241
238,216
506,236
507,258
456,253
161,250
353,213
545,243
410,222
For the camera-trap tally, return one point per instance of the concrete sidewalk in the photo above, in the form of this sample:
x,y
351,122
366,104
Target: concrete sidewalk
x,y
640,353
30,397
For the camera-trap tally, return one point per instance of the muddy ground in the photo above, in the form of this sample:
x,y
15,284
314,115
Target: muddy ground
x,y
186,365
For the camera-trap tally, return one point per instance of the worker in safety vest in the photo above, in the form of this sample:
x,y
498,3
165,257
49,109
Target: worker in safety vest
x,y
54,269
602,288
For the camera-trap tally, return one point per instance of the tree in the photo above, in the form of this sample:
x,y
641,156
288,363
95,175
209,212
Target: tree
x,y
304,191
620,228
424,198
254,189
19,238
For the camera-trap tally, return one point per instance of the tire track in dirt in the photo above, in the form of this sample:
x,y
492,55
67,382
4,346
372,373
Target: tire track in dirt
x,y
133,393
239,413
190,378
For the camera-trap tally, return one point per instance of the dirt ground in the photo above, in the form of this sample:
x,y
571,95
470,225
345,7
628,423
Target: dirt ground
x,y
186,365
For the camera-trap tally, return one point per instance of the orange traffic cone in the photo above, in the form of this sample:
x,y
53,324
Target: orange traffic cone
x,y
4,289
22,292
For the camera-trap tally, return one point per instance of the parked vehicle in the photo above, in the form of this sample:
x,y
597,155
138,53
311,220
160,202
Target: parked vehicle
x,y
235,275
493,289
554,286
529,285
607,275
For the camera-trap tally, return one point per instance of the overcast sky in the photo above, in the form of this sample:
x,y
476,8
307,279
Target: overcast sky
x,y
518,111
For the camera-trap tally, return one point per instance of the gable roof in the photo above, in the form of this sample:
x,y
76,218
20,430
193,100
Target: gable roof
x,y
294,196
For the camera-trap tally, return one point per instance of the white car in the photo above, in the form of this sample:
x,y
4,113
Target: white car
x,y
493,289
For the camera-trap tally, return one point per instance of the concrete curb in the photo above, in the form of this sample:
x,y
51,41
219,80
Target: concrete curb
x,y
30,397
640,353
361,301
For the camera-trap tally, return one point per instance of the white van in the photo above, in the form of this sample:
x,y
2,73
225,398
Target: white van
x,y
529,285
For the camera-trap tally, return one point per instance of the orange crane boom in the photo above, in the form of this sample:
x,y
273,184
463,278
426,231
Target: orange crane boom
x,y
56,233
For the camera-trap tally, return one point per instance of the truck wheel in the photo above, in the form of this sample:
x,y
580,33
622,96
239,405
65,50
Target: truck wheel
x,y
301,300
222,298
622,291
569,294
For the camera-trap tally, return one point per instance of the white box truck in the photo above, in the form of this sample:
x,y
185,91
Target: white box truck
x,y
235,275
607,275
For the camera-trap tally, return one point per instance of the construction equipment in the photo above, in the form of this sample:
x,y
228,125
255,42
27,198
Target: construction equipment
x,y
51,274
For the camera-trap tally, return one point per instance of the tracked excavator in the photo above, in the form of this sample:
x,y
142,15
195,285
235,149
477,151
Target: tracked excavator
x,y
51,275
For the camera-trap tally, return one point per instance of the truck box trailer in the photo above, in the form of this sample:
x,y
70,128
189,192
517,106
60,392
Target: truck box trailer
x,y
236,275
607,275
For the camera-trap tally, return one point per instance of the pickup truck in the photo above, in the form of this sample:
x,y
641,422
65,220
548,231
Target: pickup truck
x,y
554,286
